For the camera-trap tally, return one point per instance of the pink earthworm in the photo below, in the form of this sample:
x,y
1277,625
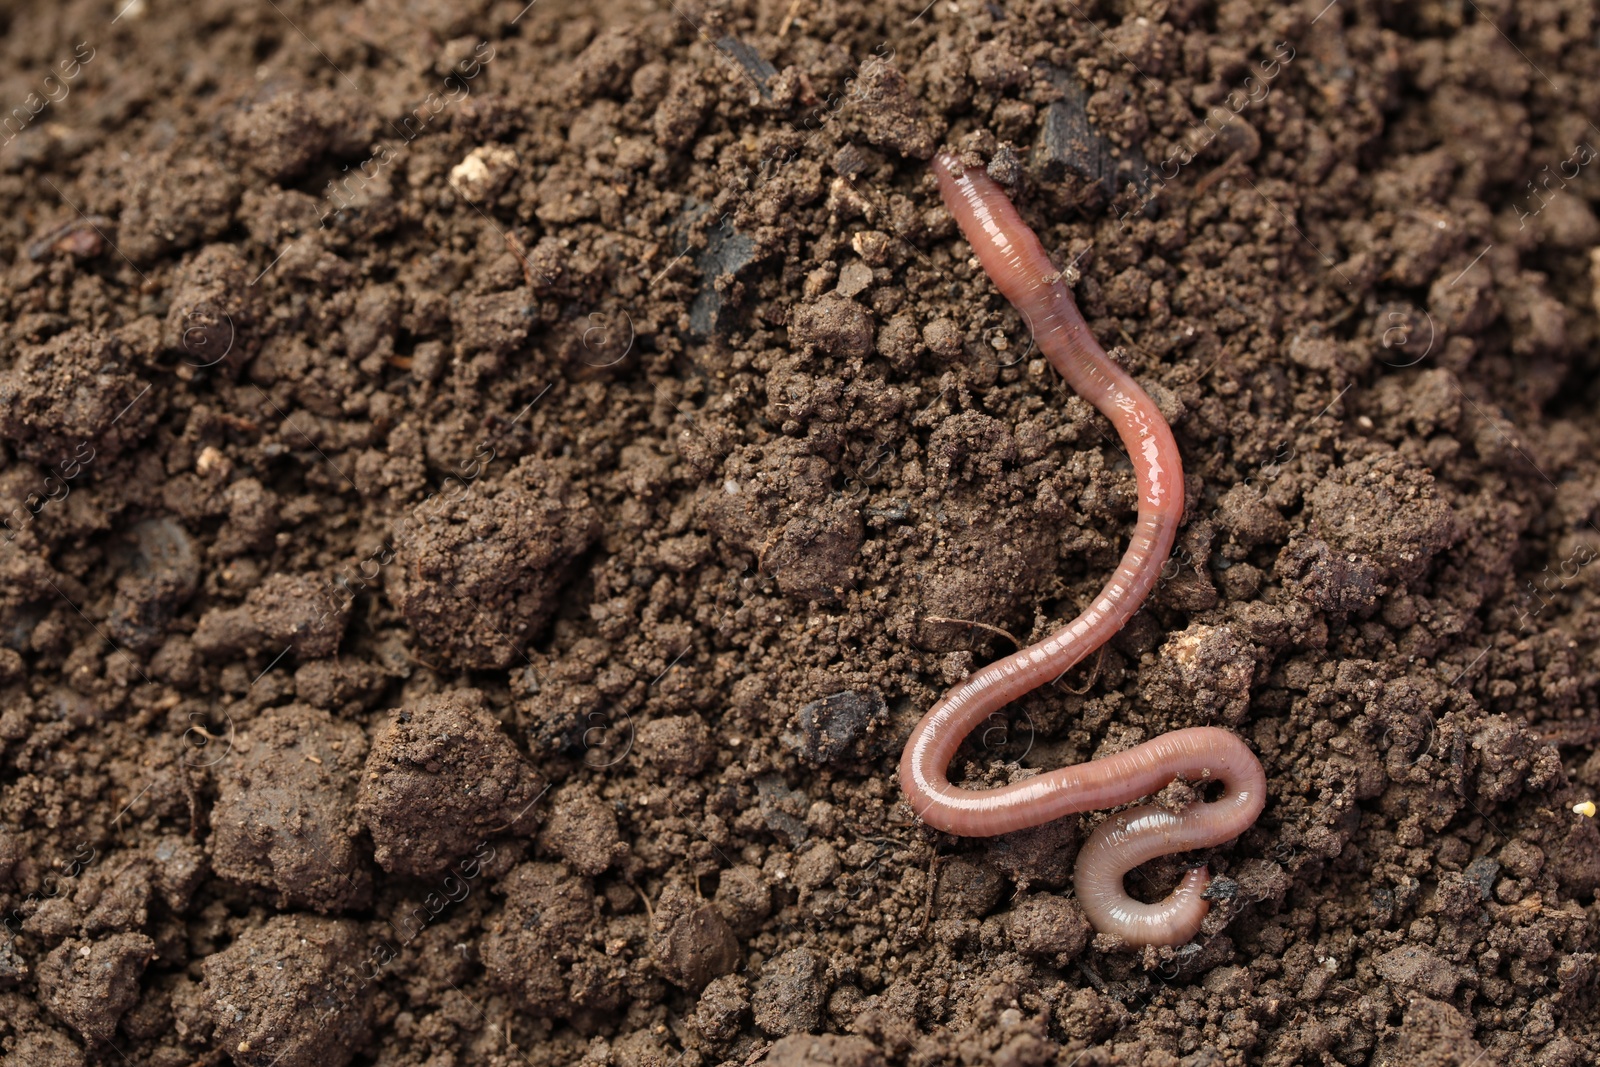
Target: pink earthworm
x,y
1014,259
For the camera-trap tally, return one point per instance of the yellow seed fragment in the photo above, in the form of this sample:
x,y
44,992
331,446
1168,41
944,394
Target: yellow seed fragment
x,y
1585,809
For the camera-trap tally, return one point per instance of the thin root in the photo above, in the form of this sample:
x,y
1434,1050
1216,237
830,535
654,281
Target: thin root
x,y
1217,173
650,913
790,17
1094,674
980,625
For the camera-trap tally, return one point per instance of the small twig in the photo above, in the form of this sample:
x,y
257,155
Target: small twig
x,y
1133,345
1094,979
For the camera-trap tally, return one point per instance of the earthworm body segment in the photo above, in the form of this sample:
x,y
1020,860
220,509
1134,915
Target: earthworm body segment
x,y
1014,259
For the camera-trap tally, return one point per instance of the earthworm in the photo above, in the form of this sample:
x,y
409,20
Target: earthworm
x,y
1014,259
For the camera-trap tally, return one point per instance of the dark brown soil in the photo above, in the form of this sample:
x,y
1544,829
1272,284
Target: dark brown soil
x,y
488,491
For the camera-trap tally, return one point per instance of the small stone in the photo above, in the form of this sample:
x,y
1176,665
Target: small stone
x,y
1483,872
854,277
782,808
484,172
213,461
162,571
695,947
831,728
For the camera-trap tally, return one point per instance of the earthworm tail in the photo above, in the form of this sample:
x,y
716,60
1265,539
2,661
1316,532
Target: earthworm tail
x,y
1132,837
1016,261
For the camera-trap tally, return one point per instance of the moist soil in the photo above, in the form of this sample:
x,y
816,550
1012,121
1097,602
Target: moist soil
x,y
489,490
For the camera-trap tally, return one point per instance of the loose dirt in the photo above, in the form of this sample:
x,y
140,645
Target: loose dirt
x,y
489,489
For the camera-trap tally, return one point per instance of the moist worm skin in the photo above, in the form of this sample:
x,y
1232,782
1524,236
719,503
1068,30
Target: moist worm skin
x,y
1015,260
